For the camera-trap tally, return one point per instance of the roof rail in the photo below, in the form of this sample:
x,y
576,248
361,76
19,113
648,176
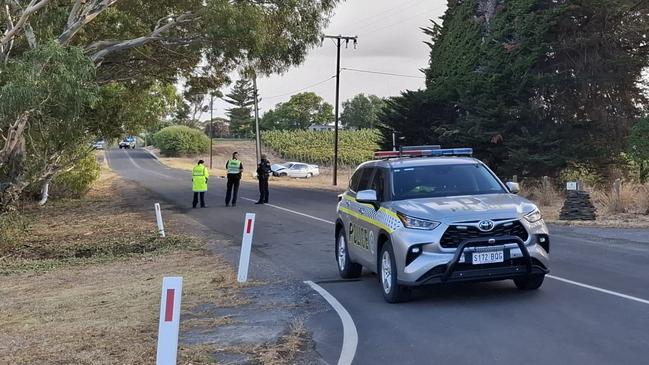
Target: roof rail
x,y
429,151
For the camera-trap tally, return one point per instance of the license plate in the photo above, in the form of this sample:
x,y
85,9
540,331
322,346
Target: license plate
x,y
479,258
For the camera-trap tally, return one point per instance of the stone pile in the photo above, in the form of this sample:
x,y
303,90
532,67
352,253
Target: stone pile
x,y
577,207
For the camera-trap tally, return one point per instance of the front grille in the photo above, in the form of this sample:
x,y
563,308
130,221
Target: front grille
x,y
454,235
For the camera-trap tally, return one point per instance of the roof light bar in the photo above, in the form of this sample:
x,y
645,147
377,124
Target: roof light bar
x,y
428,152
420,148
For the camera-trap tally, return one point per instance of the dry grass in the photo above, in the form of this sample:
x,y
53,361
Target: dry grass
x,y
632,198
543,193
283,352
286,349
105,314
83,287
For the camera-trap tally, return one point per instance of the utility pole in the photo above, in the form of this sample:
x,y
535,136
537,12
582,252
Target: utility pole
x,y
338,39
211,126
257,142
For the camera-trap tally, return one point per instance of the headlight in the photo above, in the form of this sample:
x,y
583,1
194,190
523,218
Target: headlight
x,y
534,216
417,223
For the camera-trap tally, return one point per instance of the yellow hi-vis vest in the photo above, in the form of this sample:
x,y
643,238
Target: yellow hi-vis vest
x,y
199,178
234,166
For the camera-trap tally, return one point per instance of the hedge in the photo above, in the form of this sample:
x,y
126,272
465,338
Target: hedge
x,y
181,140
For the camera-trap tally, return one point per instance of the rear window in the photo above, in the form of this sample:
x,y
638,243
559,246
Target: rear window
x,y
443,180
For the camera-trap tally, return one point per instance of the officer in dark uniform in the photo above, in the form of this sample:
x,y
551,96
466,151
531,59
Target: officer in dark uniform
x,y
234,167
263,173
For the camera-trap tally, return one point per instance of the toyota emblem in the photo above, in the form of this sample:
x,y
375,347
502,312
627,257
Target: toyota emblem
x,y
486,225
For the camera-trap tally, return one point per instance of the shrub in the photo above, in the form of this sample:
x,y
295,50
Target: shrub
x,y
581,172
76,182
180,140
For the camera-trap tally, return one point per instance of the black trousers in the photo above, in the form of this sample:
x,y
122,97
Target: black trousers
x,y
202,195
263,190
233,189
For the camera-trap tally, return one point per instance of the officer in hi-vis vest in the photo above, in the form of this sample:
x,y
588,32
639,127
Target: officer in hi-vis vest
x,y
235,168
199,182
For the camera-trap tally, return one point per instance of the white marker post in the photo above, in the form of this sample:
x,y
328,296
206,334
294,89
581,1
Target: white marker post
x,y
246,246
172,288
158,217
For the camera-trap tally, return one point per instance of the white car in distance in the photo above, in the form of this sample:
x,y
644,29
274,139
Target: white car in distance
x,y
295,169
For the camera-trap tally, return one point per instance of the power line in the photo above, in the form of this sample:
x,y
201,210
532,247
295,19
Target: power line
x,y
393,24
383,73
302,89
400,9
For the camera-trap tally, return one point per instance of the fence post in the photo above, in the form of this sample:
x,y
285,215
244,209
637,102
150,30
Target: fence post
x,y
158,216
616,195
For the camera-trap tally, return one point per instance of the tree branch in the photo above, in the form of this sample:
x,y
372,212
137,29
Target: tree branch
x,y
29,31
104,48
81,16
74,13
34,6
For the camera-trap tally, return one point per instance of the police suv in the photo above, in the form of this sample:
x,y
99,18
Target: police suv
x,y
425,215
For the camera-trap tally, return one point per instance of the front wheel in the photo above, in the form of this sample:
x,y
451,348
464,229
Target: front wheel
x,y
346,268
530,282
392,291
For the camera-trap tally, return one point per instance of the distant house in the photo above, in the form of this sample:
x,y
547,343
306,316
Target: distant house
x,y
323,127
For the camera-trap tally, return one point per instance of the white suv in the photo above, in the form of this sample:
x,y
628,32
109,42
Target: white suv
x,y
426,216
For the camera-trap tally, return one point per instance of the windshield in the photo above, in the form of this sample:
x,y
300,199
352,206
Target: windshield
x,y
443,180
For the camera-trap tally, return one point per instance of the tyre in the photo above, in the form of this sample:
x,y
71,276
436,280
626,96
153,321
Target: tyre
x,y
283,174
530,282
309,175
392,291
346,268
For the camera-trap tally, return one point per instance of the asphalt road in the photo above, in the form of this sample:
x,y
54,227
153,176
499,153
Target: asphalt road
x,y
570,320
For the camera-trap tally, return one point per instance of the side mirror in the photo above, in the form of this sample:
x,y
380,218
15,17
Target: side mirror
x,y
367,197
513,187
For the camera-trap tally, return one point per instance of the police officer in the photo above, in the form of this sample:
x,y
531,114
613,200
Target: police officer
x,y
263,172
235,168
199,182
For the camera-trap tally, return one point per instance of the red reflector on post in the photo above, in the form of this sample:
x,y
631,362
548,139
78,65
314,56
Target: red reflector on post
x,y
169,306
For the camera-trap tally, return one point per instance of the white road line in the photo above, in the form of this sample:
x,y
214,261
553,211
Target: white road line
x,y
291,211
350,336
140,167
601,290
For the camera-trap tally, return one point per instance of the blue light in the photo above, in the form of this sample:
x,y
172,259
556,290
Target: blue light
x,y
452,152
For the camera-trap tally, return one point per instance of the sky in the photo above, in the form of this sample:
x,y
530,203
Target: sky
x,y
389,40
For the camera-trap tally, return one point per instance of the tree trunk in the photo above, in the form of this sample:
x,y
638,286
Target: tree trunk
x,y
11,193
12,190
15,140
